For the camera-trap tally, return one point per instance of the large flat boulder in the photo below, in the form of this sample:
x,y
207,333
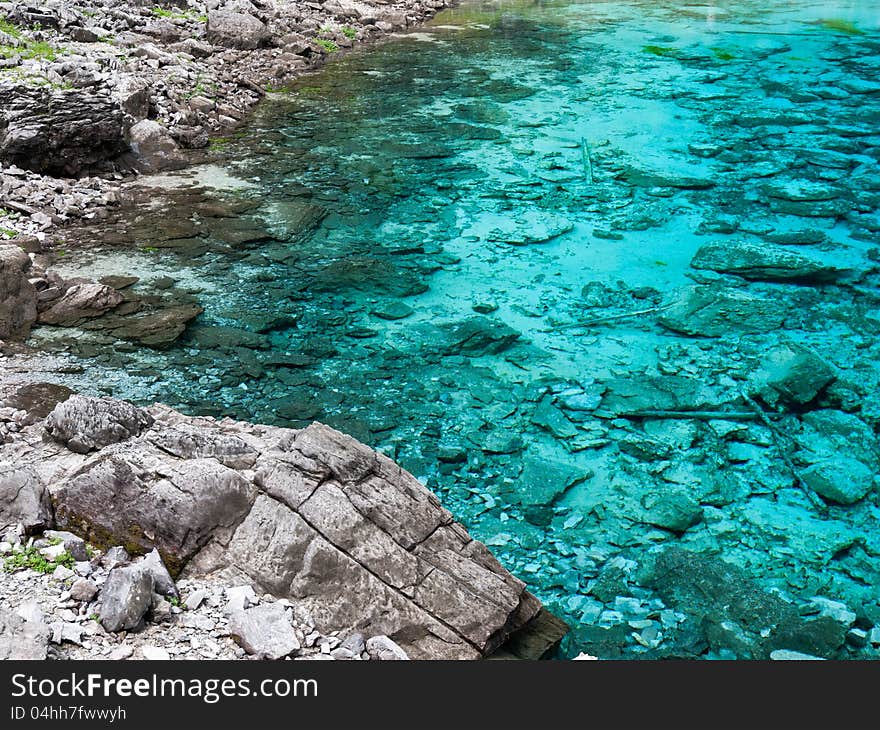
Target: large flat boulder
x,y
762,261
353,541
236,30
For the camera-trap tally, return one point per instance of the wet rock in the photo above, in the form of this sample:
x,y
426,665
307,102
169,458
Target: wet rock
x,y
86,424
707,311
81,302
24,500
384,649
794,373
154,147
531,230
370,275
762,261
20,639
18,297
842,480
548,417
36,399
542,482
662,392
392,310
160,328
59,132
477,336
236,30
673,509
264,631
125,598
221,336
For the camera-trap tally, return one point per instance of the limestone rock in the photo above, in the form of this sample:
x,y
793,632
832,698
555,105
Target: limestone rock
x,y
85,424
712,312
236,30
159,328
70,543
126,597
83,589
264,631
24,499
155,147
18,297
476,336
840,479
81,302
795,373
383,648
661,392
59,132
20,639
761,261
163,583
133,95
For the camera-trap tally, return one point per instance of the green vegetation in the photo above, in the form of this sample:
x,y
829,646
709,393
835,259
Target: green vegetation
x,y
9,29
328,45
179,15
662,51
8,232
30,49
722,54
839,25
349,32
31,558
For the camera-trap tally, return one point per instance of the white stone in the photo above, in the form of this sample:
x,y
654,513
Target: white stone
x,y
194,599
30,611
834,609
155,653
239,598
62,573
786,655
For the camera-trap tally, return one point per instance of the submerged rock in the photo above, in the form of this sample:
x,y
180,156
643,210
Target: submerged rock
x,y
841,479
794,373
762,261
477,336
708,311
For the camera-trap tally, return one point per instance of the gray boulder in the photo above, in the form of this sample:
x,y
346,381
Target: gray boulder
x,y
236,30
83,589
59,132
476,336
24,500
81,302
762,261
133,95
163,583
264,631
85,424
383,648
154,147
20,639
126,597
18,297
73,544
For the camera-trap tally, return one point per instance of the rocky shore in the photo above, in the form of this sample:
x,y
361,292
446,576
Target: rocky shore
x,y
93,91
300,543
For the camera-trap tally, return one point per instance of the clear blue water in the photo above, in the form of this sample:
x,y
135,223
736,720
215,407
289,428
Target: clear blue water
x,y
515,168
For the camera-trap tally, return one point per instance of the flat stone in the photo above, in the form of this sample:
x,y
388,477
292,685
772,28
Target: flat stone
x,y
841,479
762,261
708,311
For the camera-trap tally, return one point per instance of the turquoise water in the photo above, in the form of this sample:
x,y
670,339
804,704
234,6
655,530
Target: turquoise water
x,y
404,244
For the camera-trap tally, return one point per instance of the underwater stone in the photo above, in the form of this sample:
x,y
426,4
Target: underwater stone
x,y
80,302
842,479
795,373
551,419
658,392
392,310
477,336
761,261
673,509
709,312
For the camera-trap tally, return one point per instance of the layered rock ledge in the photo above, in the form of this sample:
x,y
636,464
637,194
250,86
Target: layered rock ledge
x,y
351,540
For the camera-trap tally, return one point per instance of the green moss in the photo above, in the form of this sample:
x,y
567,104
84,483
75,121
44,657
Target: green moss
x,y
840,25
327,45
662,51
349,32
31,558
31,49
722,54
179,15
8,232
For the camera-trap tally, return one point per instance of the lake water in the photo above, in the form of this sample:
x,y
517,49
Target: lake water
x,y
459,247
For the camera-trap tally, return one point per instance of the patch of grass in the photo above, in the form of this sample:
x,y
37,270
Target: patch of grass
x,y
328,45
178,14
31,49
662,51
8,232
9,29
349,32
840,25
219,143
31,558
